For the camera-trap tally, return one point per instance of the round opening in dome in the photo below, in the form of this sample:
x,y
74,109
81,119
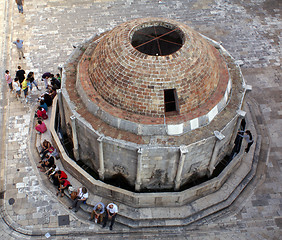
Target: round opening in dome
x,y
157,40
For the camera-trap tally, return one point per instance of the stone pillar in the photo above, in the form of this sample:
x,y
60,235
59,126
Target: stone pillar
x,y
241,115
139,170
74,137
183,152
101,170
218,137
61,110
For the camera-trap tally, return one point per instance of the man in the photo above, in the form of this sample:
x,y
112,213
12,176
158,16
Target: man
x,y
20,5
19,44
20,74
111,213
97,212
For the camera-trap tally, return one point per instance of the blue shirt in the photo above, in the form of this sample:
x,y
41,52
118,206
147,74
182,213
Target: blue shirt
x,y
19,43
100,211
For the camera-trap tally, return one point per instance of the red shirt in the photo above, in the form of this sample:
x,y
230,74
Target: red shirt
x,y
63,175
42,114
41,127
66,183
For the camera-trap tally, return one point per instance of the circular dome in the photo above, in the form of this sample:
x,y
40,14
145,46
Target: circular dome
x,y
155,68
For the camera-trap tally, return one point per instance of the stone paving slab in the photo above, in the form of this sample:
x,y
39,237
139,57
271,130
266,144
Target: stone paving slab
x,y
250,30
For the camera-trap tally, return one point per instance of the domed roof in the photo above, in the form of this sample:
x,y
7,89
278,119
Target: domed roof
x,y
155,67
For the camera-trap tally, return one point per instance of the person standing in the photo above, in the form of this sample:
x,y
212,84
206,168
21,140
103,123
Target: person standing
x,y
9,80
111,213
20,74
248,137
19,44
45,78
20,5
17,87
31,79
25,86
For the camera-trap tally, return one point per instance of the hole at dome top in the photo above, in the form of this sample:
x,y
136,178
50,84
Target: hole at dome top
x,y
159,39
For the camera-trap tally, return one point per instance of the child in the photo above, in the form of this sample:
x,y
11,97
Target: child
x,y
9,80
17,88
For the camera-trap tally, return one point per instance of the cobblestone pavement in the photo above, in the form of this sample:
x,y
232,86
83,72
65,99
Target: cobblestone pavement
x,y
250,30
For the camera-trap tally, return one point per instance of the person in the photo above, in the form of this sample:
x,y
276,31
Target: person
x,y
50,161
82,196
97,212
43,104
9,80
58,76
48,99
20,74
64,185
53,92
20,5
40,127
248,137
25,85
19,44
30,77
56,84
45,77
111,213
17,88
41,113
46,148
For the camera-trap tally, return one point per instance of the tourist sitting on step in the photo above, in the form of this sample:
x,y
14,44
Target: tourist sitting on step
x,y
58,176
46,148
41,113
82,196
97,212
111,213
64,185
40,127
48,163
43,104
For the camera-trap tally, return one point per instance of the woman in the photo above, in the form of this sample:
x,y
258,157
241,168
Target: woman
x,y
30,77
41,113
9,80
40,127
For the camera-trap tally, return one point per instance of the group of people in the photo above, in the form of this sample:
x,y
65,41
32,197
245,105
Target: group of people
x,y
99,213
22,83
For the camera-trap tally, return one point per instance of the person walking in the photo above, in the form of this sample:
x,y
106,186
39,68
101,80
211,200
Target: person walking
x,y
20,5
20,74
31,79
19,44
25,86
9,80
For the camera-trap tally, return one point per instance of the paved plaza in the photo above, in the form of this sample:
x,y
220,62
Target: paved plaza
x,y
250,30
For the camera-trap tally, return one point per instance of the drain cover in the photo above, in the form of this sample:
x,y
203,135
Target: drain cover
x,y
64,220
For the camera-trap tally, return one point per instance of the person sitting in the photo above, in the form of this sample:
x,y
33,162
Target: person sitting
x,y
97,212
41,113
48,163
53,92
64,185
56,84
82,196
46,148
44,105
40,127
47,99
111,213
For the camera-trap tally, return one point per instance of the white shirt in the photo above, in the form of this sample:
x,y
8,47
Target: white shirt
x,y
112,210
17,86
81,195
